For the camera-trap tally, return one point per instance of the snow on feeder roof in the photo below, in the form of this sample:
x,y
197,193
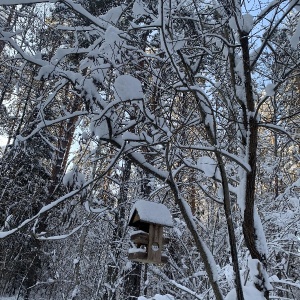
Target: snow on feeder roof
x,y
150,212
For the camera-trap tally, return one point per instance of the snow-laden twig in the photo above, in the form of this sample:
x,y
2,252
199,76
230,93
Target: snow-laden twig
x,y
4,234
48,207
157,272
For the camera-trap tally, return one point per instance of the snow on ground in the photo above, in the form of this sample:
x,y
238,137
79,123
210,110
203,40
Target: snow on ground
x,y
250,293
157,297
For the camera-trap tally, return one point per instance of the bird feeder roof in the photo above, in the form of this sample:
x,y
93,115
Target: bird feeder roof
x,y
151,212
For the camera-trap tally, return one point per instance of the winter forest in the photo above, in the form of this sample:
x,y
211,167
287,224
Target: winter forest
x,y
185,110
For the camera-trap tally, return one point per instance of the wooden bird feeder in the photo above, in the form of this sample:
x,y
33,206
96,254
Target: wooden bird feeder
x,y
149,218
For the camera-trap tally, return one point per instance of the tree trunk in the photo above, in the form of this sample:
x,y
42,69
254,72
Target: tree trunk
x,y
251,126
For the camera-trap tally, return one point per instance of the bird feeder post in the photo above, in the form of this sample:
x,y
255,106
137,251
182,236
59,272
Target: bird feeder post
x,y
155,242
